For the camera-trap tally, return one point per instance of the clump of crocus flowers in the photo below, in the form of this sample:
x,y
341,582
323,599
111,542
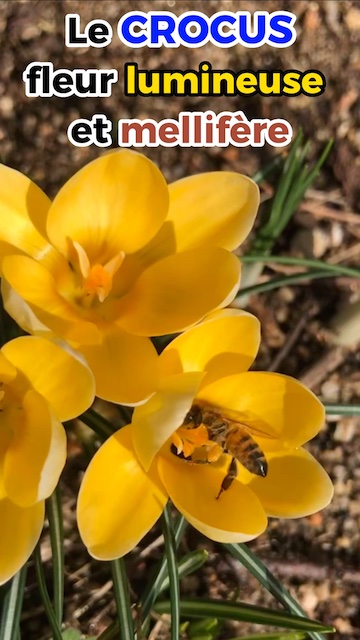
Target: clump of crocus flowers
x,y
118,258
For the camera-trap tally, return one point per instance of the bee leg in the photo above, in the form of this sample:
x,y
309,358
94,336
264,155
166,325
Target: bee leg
x,y
229,478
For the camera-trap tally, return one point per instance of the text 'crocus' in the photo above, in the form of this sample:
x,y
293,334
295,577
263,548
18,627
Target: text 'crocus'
x,y
120,256
171,449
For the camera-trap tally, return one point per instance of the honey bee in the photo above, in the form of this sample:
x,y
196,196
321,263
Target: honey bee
x,y
234,438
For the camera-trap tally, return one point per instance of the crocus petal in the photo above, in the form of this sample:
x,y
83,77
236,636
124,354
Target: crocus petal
x,y
180,290
226,342
125,366
296,485
18,309
5,439
20,531
216,209
116,203
35,284
7,370
64,381
237,516
275,404
118,502
155,421
163,244
36,454
23,210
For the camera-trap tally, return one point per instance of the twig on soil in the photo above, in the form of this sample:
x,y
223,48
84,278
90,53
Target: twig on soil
x,y
345,254
157,628
158,542
292,337
321,369
322,211
93,599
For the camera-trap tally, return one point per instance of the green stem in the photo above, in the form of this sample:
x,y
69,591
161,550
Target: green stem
x,y
253,564
54,514
122,597
243,612
12,605
304,262
97,423
284,281
174,585
342,409
153,587
44,595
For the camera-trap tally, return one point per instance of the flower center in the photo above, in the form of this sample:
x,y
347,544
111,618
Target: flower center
x,y
95,280
195,443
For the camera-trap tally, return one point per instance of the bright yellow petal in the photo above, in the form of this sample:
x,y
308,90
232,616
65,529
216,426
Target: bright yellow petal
x,y
5,439
7,370
272,403
116,203
36,285
63,380
36,453
163,244
155,421
226,342
20,531
180,290
216,209
237,516
296,485
18,309
23,210
118,502
125,366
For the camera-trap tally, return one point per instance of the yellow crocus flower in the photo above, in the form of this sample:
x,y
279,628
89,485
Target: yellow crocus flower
x,y
167,453
120,256
41,385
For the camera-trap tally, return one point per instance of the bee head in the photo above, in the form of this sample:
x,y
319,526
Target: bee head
x,y
194,415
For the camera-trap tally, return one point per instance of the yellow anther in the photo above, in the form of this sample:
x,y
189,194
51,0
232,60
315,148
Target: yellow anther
x,y
97,279
214,452
177,442
187,440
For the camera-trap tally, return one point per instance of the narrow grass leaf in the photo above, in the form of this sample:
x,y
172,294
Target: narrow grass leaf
x,y
153,587
284,281
122,598
336,269
252,563
56,631
342,409
187,564
54,515
174,584
243,613
295,178
97,423
265,171
12,606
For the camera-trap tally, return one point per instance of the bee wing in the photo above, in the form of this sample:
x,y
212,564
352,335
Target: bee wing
x,y
255,431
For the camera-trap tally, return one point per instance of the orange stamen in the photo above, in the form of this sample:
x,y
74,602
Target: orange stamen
x,y
186,440
214,453
97,279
